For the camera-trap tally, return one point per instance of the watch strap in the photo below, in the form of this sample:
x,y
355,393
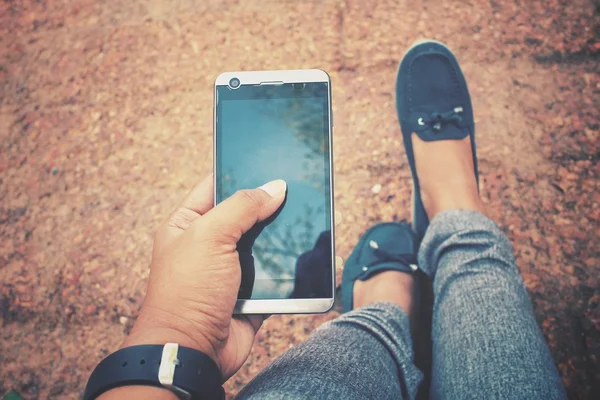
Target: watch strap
x,y
189,373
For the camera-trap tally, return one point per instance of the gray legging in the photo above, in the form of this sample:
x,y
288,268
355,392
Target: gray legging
x,y
486,343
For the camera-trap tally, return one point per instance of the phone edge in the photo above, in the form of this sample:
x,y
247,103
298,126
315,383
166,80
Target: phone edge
x,y
285,306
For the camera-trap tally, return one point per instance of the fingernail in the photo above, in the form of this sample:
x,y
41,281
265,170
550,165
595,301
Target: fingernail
x,y
274,188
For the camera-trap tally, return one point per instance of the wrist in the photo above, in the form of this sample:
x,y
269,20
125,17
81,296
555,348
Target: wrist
x,y
152,328
151,370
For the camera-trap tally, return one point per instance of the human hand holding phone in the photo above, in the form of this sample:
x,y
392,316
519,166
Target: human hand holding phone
x,y
195,275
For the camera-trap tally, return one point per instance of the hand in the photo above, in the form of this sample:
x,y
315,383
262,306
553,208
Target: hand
x,y
195,275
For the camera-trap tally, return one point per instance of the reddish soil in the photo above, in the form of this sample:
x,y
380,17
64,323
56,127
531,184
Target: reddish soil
x,y
106,121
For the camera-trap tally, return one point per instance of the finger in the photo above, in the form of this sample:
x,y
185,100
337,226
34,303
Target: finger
x,y
197,202
200,198
255,321
237,214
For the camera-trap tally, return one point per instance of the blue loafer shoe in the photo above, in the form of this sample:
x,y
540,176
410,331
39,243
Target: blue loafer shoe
x,y
384,247
432,101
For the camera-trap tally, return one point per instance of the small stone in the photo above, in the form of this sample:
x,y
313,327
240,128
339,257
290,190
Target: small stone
x,y
376,189
54,171
91,309
123,320
571,176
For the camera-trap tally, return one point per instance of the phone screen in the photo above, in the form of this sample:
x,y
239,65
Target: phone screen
x,y
280,132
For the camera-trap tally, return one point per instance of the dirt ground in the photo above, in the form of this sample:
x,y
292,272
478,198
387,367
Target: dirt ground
x,y
106,121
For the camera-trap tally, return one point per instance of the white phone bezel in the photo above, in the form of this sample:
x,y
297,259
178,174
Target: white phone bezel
x,y
283,306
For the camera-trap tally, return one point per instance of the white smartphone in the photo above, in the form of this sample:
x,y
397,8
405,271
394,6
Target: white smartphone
x,y
278,125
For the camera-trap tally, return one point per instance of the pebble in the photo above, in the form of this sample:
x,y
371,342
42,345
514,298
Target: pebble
x,y
376,189
91,309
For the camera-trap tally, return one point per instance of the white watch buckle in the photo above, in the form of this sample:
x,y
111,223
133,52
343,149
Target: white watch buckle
x,y
166,370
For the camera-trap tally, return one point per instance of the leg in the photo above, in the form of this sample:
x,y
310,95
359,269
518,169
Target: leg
x,y
486,341
364,354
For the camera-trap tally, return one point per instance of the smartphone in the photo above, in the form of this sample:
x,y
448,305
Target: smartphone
x,y
278,125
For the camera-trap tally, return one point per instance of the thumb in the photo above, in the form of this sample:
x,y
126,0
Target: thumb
x,y
237,214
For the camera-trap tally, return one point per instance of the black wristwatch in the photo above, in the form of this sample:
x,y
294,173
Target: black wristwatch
x,y
188,373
